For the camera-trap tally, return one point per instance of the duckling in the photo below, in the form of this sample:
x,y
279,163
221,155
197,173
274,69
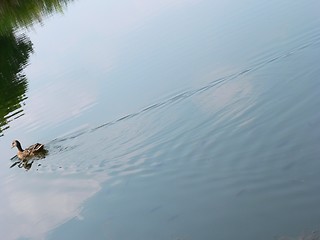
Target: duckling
x,y
29,152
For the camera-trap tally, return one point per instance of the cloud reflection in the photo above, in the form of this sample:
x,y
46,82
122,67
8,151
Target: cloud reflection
x,y
53,201
226,94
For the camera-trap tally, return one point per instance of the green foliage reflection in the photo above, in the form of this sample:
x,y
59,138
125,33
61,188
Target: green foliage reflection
x,y
14,54
15,50
23,13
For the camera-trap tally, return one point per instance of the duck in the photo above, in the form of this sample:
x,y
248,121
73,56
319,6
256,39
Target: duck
x,y
30,152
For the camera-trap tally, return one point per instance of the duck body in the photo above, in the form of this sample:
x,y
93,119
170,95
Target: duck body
x,y
30,152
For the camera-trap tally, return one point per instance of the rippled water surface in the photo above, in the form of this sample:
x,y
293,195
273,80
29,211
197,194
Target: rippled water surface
x,y
163,120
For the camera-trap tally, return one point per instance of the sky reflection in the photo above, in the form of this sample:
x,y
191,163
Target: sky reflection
x,y
53,201
43,111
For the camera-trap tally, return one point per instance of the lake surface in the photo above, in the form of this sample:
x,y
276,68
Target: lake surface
x,y
163,120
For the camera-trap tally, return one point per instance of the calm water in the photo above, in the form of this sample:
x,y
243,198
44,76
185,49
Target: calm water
x,y
164,120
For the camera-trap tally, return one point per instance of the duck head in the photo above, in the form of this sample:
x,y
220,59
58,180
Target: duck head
x,y
17,144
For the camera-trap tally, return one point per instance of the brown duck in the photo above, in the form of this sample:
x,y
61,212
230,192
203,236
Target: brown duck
x,y
29,152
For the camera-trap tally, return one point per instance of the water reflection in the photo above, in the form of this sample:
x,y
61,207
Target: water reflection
x,y
40,209
17,14
15,50
28,163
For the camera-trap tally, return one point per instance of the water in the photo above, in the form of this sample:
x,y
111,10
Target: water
x,y
171,120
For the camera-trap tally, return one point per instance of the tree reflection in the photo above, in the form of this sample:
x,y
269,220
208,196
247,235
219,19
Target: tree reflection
x,y
23,13
14,54
15,50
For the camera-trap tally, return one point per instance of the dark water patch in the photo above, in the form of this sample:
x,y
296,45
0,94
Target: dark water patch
x,y
307,235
